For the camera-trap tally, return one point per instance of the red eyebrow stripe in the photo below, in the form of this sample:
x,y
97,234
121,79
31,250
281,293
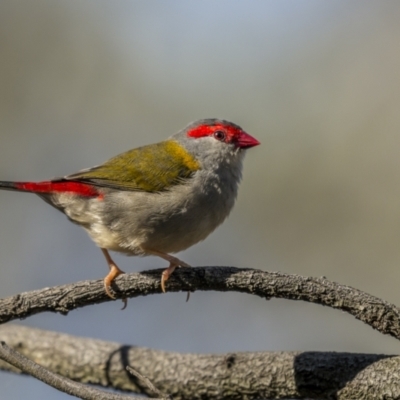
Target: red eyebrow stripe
x,y
201,131
81,189
207,130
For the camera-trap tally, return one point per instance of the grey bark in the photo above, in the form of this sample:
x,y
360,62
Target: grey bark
x,y
375,312
233,376
58,382
269,375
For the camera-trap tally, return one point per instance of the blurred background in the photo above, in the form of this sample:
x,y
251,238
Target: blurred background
x,y
318,83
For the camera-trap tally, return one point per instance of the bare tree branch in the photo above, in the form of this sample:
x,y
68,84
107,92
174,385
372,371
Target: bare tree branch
x,y
54,380
375,312
268,375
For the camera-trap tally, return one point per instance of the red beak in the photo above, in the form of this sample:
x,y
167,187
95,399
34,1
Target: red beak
x,y
245,141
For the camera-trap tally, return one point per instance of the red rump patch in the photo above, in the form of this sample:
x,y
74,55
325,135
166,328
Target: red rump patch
x,y
81,189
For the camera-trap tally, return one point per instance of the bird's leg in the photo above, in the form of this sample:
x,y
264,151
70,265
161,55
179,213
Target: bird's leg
x,y
114,272
173,263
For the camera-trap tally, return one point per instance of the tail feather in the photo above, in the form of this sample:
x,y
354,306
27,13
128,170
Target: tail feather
x,y
48,187
5,185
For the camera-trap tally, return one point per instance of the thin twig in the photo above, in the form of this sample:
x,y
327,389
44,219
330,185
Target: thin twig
x,y
152,390
54,380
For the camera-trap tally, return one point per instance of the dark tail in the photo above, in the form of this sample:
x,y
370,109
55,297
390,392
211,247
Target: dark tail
x,y
18,186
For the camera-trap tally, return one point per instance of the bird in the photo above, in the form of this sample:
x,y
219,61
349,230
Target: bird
x,y
157,199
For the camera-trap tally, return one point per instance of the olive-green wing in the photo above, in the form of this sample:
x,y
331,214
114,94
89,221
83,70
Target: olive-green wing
x,y
152,168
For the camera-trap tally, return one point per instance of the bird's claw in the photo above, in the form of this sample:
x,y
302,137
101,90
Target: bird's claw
x,y
109,279
107,288
169,271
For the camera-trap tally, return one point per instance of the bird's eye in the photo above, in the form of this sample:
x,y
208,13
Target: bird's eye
x,y
219,135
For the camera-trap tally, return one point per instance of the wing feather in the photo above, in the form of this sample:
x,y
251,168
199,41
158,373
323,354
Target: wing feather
x,y
153,168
